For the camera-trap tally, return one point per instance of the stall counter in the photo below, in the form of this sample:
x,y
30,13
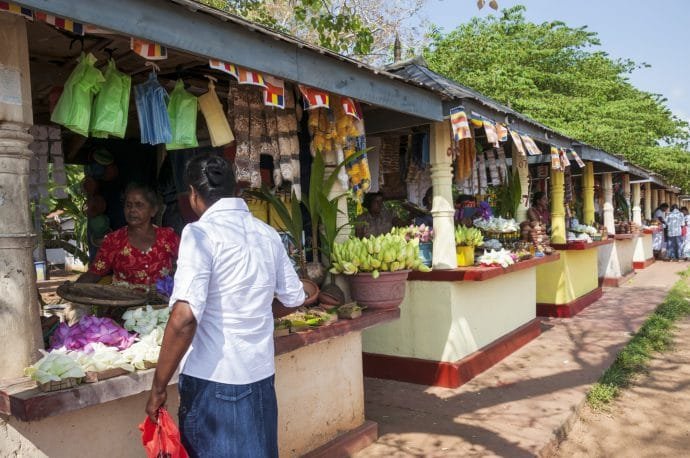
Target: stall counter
x,y
456,323
615,261
319,385
644,251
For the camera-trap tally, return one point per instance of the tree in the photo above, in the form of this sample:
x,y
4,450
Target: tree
x,y
557,75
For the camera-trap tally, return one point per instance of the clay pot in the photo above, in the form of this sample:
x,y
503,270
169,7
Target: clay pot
x,y
331,294
384,293
311,290
316,272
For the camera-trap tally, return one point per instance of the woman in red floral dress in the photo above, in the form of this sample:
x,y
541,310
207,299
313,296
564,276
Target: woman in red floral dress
x,y
139,253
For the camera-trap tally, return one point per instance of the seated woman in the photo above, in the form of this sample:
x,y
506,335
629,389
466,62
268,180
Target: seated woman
x,y
139,253
539,211
376,220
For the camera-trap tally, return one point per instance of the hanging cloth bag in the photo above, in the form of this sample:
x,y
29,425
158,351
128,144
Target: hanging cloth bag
x,y
217,123
182,110
111,105
73,109
152,111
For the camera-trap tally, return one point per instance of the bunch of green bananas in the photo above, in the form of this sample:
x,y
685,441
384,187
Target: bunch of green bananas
x,y
468,236
384,253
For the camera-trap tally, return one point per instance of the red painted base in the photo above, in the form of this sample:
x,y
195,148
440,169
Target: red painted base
x,y
639,265
446,374
615,282
349,443
571,308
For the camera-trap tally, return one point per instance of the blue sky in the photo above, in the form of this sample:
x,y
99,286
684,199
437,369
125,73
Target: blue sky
x,y
656,32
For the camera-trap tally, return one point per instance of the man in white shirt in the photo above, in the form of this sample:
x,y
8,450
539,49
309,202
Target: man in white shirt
x,y
220,332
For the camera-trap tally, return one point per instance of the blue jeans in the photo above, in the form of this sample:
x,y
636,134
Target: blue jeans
x,y
674,247
220,420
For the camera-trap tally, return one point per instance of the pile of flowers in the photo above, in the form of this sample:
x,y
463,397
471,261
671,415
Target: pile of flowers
x,y
91,330
499,224
502,257
585,229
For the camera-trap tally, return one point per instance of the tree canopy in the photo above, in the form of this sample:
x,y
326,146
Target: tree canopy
x,y
557,75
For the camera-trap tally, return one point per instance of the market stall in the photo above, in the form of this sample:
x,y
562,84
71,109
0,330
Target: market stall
x,y
265,118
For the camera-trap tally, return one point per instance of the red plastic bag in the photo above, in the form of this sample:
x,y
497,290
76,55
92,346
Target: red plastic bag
x,y
162,439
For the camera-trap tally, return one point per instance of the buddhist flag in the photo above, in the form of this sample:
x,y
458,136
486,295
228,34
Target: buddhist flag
x,y
502,132
459,124
491,135
314,98
565,162
518,142
148,49
350,108
223,67
532,148
245,76
61,23
16,9
555,159
579,161
274,94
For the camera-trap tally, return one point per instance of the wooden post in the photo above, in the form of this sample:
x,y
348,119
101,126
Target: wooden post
x,y
654,200
588,194
442,208
520,164
558,231
607,185
636,210
648,201
20,327
626,194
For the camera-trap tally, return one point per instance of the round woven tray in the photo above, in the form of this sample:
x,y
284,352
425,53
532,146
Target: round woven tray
x,y
101,295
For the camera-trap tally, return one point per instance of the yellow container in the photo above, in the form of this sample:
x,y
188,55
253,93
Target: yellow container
x,y
465,255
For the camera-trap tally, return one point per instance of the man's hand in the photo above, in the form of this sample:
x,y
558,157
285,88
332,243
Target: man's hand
x,y
155,402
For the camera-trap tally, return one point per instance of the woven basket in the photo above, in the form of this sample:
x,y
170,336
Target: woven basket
x,y
64,384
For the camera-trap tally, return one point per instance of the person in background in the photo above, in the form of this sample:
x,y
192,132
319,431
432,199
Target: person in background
x,y
685,254
674,226
539,211
660,238
465,210
230,269
376,220
428,219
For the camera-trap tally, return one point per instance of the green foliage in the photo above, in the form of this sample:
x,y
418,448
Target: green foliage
x,y
508,196
655,335
554,74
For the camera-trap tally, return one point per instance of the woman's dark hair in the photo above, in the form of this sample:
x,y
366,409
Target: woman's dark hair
x,y
369,198
674,207
150,195
211,176
536,197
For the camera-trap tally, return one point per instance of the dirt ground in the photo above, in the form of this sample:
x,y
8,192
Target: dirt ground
x,y
651,418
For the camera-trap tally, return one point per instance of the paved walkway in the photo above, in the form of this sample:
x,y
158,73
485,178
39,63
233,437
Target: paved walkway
x,y
526,403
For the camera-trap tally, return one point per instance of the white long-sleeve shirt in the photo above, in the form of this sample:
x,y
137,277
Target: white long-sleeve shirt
x,y
230,267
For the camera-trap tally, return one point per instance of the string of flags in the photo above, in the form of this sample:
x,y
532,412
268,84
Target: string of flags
x,y
148,49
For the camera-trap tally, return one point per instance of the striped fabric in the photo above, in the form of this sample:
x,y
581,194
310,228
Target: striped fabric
x,y
459,124
565,162
314,98
576,156
245,76
350,108
61,23
491,135
16,9
274,94
556,159
223,67
148,49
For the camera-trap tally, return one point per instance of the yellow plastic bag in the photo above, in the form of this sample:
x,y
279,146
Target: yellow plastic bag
x,y
217,123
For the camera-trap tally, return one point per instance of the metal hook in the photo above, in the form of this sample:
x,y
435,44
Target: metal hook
x,y
156,68
212,78
80,40
110,52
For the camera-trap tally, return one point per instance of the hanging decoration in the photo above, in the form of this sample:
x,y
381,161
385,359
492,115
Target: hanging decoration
x,y
481,167
250,77
182,110
274,93
459,124
148,49
493,167
61,23
532,148
502,164
314,98
350,108
491,136
154,124
216,122
555,159
517,141
230,69
464,161
501,132
111,105
17,9
579,161
73,109
565,162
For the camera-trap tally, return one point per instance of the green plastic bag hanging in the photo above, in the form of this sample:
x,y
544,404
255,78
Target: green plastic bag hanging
x,y
111,106
73,110
182,109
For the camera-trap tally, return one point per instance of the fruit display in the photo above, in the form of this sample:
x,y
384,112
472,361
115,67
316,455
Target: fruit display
x,y
384,253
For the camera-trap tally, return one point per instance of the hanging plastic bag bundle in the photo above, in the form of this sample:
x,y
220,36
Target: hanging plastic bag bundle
x,y
162,439
152,111
217,123
73,109
111,106
182,110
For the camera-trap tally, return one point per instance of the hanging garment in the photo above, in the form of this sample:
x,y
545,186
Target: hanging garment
x,y
247,166
182,110
73,109
482,171
502,164
493,167
154,124
111,105
216,122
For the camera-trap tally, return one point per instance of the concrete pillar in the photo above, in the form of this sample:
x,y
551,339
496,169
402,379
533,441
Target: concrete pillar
x,y
648,206
588,194
626,194
636,210
20,327
442,208
558,230
662,196
654,200
520,163
607,186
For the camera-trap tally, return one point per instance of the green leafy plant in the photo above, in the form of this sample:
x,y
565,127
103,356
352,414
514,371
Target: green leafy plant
x,y
508,196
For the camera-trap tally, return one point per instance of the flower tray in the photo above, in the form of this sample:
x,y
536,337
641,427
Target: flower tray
x,y
64,384
93,377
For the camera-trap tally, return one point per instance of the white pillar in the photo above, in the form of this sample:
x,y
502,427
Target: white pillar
x,y
607,185
648,201
442,208
654,200
20,327
626,194
636,210
520,164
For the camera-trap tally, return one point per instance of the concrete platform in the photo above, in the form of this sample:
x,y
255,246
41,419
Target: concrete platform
x,y
524,405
